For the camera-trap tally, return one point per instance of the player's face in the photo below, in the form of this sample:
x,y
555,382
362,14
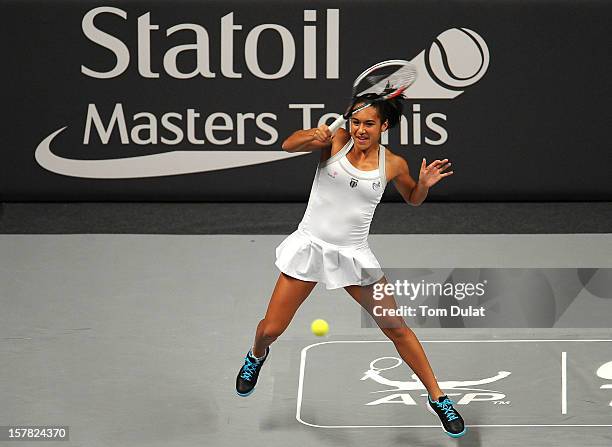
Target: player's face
x,y
366,128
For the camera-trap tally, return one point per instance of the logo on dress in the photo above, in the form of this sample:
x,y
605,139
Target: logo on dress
x,y
332,174
353,182
376,185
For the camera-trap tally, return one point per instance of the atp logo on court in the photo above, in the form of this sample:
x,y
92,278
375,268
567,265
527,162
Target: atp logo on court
x,y
398,388
348,383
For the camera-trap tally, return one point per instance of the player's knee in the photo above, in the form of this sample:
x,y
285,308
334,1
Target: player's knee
x,y
396,333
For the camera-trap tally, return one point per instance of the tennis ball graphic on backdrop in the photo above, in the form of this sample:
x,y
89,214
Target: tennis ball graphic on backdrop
x,y
319,327
458,58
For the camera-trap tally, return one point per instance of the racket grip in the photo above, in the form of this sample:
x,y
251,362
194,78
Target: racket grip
x,y
340,121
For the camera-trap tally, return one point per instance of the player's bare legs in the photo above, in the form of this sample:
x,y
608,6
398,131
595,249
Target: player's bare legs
x,y
410,349
395,328
288,295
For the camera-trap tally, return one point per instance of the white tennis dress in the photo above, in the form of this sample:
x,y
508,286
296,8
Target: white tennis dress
x,y
331,243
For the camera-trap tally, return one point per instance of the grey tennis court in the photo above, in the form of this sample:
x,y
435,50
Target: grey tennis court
x,y
155,154
135,339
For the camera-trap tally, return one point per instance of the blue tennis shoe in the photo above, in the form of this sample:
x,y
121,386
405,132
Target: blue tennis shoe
x,y
248,374
452,422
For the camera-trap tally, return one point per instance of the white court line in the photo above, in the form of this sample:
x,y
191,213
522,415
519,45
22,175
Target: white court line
x,y
564,382
303,367
457,341
438,426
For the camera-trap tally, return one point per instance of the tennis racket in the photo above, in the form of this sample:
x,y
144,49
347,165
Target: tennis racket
x,y
383,81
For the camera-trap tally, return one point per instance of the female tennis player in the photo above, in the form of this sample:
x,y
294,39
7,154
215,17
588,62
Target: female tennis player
x,y
330,245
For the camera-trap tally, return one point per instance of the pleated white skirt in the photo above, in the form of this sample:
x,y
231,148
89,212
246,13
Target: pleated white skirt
x,y
307,258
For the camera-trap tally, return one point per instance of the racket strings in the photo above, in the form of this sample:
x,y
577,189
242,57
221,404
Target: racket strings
x,y
387,81
381,82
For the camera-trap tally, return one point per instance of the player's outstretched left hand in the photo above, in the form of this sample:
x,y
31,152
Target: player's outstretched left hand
x,y
434,172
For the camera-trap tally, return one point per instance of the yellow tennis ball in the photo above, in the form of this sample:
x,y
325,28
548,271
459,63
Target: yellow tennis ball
x,y
319,327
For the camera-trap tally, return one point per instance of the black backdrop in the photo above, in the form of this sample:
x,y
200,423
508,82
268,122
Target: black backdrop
x,y
534,127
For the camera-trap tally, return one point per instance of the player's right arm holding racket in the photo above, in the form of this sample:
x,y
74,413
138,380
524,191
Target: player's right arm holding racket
x,y
319,138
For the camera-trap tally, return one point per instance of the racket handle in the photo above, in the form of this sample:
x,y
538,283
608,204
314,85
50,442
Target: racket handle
x,y
340,121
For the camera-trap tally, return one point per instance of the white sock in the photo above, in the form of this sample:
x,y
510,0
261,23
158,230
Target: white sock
x,y
256,358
